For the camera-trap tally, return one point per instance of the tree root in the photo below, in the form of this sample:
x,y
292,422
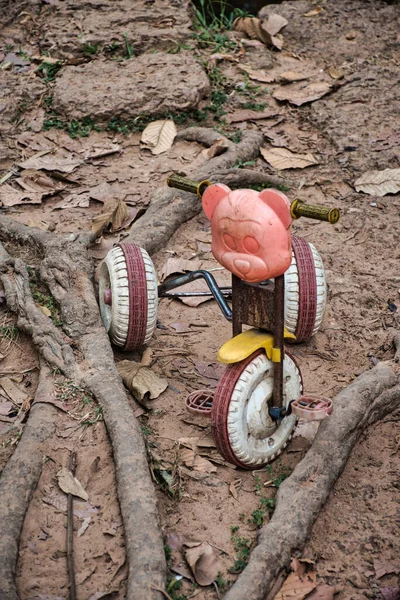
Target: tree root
x,y
169,209
370,398
19,480
83,353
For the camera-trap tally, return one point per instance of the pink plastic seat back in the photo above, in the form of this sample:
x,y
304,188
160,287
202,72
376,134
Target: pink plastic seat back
x,y
250,231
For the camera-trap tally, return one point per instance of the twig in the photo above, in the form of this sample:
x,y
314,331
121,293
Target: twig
x,y
163,592
70,534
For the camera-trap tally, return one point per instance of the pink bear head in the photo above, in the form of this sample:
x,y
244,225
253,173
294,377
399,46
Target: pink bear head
x,y
250,231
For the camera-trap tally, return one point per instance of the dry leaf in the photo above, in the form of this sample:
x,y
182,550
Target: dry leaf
x,y
214,58
103,246
196,462
141,380
234,487
335,73
322,592
181,327
313,13
178,265
101,150
301,93
51,163
204,563
159,135
84,526
70,484
282,158
16,395
257,74
115,213
219,147
379,183
249,115
34,181
77,199
291,76
201,442
274,23
9,196
295,588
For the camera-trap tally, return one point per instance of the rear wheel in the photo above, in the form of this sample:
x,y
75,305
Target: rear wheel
x,y
244,433
128,296
305,291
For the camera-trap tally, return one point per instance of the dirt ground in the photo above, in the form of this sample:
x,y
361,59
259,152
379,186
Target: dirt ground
x,y
352,45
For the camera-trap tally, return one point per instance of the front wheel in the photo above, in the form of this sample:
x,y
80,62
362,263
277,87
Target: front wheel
x,y
243,431
128,296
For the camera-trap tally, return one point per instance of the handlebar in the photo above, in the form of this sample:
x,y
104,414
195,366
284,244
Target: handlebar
x,y
297,208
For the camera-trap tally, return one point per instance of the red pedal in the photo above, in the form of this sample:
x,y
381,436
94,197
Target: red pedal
x,y
312,408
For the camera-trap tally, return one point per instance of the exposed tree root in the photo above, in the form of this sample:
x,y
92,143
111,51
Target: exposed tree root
x,y
170,208
19,479
83,353
369,399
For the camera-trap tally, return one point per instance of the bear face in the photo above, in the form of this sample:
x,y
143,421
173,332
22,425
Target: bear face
x,y
250,231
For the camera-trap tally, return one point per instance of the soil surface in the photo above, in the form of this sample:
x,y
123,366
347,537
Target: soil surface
x,y
353,48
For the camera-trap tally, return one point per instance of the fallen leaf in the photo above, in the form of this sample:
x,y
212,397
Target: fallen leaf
x,y
46,311
204,563
103,246
181,327
219,147
16,395
6,408
214,58
274,23
9,196
301,93
322,592
209,370
70,484
114,214
176,541
196,462
77,199
84,526
159,135
81,509
335,73
282,158
313,13
257,75
34,181
379,183
141,380
291,76
178,265
147,357
201,442
51,163
101,150
249,115
295,588
234,487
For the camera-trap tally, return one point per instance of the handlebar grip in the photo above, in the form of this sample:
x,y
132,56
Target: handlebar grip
x,y
181,183
300,209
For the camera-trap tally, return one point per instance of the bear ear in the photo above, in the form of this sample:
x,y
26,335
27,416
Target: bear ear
x,y
279,203
213,196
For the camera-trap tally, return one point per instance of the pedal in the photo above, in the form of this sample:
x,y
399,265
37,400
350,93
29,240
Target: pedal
x,y
312,408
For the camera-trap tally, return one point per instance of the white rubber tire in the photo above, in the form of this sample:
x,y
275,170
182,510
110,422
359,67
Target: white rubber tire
x,y
292,293
243,431
117,318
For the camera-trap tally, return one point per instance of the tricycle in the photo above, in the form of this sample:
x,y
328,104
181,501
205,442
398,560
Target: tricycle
x,y
278,289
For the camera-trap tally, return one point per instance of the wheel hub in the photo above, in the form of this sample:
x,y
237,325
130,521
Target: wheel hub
x,y
259,423
108,297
